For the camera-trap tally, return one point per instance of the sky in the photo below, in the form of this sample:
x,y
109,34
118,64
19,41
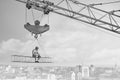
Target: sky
x,y
68,42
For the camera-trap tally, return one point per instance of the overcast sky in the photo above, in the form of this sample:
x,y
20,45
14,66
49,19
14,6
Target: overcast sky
x,y
68,41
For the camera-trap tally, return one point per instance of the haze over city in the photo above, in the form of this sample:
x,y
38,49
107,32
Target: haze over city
x,y
68,42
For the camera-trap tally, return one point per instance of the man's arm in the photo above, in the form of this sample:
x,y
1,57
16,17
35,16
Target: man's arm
x,y
32,52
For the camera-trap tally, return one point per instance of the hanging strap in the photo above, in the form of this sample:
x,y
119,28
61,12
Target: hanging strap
x,y
41,47
25,15
33,16
41,17
48,19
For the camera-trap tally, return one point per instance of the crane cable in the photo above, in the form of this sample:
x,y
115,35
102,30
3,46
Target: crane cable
x,y
25,15
48,19
110,2
105,3
40,17
37,38
42,48
33,16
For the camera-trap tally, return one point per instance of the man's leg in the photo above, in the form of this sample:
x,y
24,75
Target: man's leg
x,y
36,59
39,57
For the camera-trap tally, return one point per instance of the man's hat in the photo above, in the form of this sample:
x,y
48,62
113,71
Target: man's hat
x,y
36,47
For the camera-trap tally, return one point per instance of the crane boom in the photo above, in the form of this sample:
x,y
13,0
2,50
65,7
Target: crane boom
x,y
81,12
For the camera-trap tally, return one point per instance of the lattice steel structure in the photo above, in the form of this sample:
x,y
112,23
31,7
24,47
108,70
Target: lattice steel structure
x,y
76,10
29,59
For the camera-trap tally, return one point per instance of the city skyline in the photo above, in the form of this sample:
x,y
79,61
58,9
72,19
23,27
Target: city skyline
x,y
68,41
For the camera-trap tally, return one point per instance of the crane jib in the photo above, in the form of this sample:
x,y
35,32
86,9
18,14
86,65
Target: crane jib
x,y
112,25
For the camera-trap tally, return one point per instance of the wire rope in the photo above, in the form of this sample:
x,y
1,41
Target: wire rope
x,y
41,47
25,15
111,2
33,16
105,3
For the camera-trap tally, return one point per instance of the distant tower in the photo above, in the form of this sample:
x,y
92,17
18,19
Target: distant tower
x,y
73,76
85,72
92,70
79,72
78,68
51,77
8,68
48,77
79,76
115,68
92,67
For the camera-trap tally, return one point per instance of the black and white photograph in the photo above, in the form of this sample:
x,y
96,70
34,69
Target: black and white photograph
x,y
59,39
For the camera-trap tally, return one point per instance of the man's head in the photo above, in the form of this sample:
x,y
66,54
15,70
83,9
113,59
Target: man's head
x,y
36,48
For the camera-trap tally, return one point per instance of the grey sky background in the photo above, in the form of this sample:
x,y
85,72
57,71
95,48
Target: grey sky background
x,y
68,41
11,20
